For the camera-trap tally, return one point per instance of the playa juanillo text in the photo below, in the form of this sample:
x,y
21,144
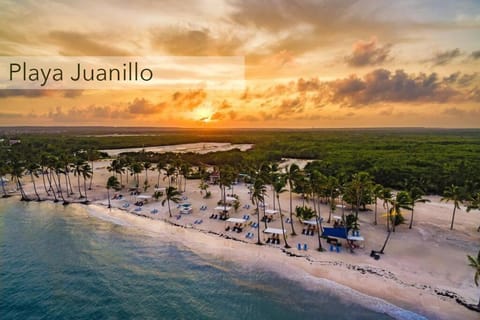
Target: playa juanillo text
x,y
129,71
92,72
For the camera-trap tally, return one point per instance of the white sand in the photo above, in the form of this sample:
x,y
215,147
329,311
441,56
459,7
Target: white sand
x,y
417,262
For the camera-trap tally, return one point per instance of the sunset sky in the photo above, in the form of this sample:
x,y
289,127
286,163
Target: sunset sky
x,y
313,64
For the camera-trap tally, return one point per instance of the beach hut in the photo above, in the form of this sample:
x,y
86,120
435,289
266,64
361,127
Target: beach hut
x,y
269,215
223,211
239,224
274,235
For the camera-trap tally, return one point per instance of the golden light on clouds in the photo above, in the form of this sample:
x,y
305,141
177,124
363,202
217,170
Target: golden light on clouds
x,y
307,63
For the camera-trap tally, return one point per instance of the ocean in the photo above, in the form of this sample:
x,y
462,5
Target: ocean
x,y
61,262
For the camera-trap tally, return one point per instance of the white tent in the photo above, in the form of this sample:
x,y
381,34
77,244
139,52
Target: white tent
x,y
144,197
274,231
222,208
310,222
236,220
230,199
270,211
159,189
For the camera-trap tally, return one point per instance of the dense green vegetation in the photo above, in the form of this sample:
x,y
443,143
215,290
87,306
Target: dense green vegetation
x,y
433,158
354,167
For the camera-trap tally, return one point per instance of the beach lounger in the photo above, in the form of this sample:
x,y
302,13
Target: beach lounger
x,y
178,217
154,211
138,209
299,246
305,247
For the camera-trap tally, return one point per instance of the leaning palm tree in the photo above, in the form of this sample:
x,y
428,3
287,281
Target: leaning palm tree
x,y
171,194
17,171
32,169
279,188
291,174
475,264
455,194
112,183
258,195
416,196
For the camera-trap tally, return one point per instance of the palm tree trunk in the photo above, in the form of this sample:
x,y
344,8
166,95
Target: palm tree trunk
x,y
264,214
91,180
258,222
60,188
169,210
411,218
319,217
35,187
51,187
85,188
70,183
44,184
385,243
453,215
22,192
108,196
291,215
375,222
66,184
281,219
388,219
78,184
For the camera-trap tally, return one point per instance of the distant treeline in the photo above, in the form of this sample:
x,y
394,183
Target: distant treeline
x,y
433,158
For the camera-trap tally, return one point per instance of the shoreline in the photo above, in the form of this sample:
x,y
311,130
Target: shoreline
x,y
424,269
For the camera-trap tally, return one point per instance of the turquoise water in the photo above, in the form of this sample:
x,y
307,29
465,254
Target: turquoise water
x,y
60,263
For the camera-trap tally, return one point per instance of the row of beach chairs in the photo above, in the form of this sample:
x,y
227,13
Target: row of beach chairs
x,y
299,246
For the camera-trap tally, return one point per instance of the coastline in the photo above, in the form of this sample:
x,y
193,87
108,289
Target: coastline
x,y
424,269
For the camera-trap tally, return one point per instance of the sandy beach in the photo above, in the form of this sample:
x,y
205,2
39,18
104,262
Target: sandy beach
x,y
424,269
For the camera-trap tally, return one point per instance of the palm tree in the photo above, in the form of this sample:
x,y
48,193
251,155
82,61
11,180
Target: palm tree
x,y
77,171
112,183
87,172
291,174
360,185
185,170
416,196
171,194
455,194
331,188
92,155
317,181
17,170
4,170
43,167
279,187
258,195
401,201
159,167
32,169
474,204
226,180
386,196
146,166
475,264
376,193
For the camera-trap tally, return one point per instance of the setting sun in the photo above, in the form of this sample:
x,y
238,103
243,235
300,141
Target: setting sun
x,y
203,113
